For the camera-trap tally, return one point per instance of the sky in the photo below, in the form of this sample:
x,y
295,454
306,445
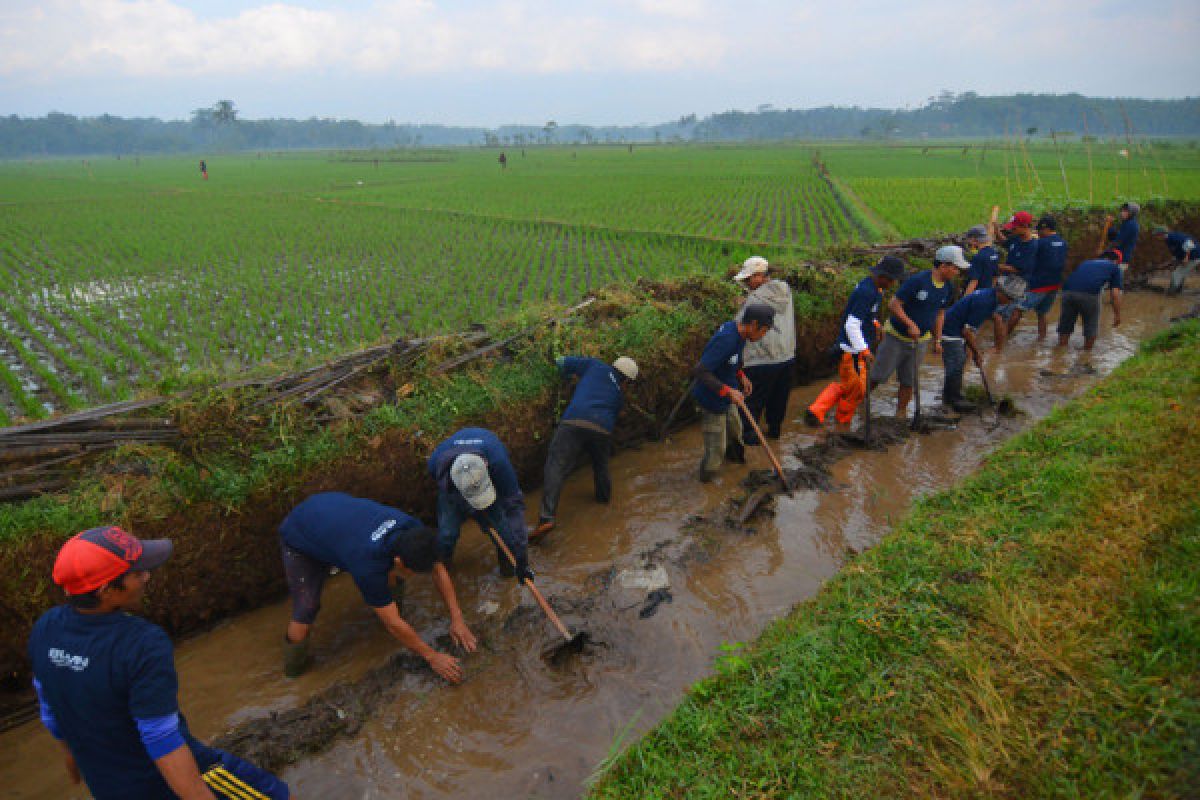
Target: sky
x,y
460,62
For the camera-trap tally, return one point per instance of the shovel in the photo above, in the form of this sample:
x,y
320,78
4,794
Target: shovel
x,y
741,404
867,403
571,644
916,388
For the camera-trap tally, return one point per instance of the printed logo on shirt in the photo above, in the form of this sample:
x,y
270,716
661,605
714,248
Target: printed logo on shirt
x,y
382,530
462,442
922,295
1057,244
874,308
61,658
733,359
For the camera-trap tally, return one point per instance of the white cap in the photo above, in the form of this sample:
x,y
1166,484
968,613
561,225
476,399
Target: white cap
x,y
470,475
951,254
753,265
627,367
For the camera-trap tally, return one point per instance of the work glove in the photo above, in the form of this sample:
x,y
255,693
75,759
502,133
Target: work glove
x,y
525,574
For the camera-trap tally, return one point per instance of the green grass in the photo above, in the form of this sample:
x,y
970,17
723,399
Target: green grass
x,y
1033,633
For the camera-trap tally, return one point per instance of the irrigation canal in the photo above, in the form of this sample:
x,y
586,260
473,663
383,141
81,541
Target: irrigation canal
x,y
521,728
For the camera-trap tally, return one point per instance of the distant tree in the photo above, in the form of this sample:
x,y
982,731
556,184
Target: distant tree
x,y
224,112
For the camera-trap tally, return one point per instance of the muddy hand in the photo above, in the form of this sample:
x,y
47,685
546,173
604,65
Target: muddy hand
x,y
461,635
447,666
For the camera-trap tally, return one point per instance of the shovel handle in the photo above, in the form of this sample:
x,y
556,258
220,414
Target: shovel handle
x,y
541,601
763,440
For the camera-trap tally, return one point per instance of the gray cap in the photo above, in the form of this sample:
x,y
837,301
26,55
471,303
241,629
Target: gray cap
x,y
977,232
759,312
1133,208
1013,286
469,473
951,254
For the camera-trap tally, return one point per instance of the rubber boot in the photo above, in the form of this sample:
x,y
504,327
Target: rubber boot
x,y
296,658
821,407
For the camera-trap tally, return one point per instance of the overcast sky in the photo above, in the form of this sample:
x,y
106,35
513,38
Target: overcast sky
x,y
463,62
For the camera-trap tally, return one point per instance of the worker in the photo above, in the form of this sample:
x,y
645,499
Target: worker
x,y
476,479
721,384
586,426
1123,238
916,314
1081,296
107,687
960,329
985,261
1184,250
855,339
1044,279
1020,246
380,547
769,362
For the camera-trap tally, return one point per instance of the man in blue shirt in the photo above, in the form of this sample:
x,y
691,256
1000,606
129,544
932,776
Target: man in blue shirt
x,y
916,315
378,545
586,426
1021,246
717,376
855,339
476,480
1044,279
985,262
1081,297
1123,238
1184,250
959,334
107,687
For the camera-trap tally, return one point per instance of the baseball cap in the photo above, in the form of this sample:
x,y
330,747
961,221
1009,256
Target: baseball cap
x,y
951,254
1048,221
98,556
1021,219
627,367
977,232
1113,254
889,267
469,473
1132,208
1013,286
752,266
761,313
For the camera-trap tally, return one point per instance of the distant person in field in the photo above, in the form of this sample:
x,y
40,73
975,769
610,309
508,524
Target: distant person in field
x,y
720,380
985,260
107,688
1186,252
1044,279
915,317
769,362
960,334
586,427
1081,297
856,338
380,547
503,161
204,169
1123,237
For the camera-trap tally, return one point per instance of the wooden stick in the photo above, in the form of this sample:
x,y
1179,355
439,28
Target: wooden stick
x,y
763,441
541,601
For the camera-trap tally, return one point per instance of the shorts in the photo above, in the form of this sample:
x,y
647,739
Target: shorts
x,y
1079,304
1040,302
896,356
305,580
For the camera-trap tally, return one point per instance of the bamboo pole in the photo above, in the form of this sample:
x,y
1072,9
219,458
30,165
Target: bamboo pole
x,y
1087,141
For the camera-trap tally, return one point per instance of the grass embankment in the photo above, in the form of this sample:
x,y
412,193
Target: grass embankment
x,y
1034,632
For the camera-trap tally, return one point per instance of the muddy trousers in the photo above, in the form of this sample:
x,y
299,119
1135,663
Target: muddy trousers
x,y
568,443
954,359
720,429
772,383
846,394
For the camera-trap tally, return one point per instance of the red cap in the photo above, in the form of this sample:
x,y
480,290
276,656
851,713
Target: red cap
x,y
1022,219
1112,251
95,557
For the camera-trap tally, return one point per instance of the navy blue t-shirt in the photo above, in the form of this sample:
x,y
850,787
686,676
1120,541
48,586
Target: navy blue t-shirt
x,y
1049,264
99,674
922,300
1090,276
1178,242
972,311
1022,255
864,305
1125,238
985,265
598,397
722,357
352,533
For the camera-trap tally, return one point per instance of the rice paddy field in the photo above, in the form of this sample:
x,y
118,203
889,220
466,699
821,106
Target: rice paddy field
x,y
128,276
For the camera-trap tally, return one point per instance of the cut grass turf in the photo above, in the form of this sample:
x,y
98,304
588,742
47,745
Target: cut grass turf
x,y
1033,633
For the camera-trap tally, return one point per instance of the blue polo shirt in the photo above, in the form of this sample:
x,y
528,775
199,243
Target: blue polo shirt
x,y
922,300
863,305
1182,246
985,265
98,674
971,312
1125,238
1048,264
598,397
1090,276
1022,255
722,357
352,533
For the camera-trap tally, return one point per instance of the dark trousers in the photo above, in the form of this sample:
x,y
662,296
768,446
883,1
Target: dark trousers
x,y
954,359
568,443
771,384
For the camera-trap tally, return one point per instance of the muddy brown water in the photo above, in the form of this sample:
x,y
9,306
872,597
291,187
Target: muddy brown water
x,y
521,728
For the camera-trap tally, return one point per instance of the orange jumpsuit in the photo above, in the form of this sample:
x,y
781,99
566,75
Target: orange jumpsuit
x,y
846,394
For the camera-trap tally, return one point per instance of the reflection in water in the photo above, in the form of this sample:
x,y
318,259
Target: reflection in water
x,y
518,728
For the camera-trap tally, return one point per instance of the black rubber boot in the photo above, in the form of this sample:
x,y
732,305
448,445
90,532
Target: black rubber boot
x,y
296,658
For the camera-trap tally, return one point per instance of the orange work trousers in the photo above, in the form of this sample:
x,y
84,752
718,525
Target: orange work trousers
x,y
846,394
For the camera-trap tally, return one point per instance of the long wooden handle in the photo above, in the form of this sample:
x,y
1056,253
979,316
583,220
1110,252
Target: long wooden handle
x,y
763,441
1104,237
541,601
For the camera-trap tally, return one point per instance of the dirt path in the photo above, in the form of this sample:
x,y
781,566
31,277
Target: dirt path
x,y
522,728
